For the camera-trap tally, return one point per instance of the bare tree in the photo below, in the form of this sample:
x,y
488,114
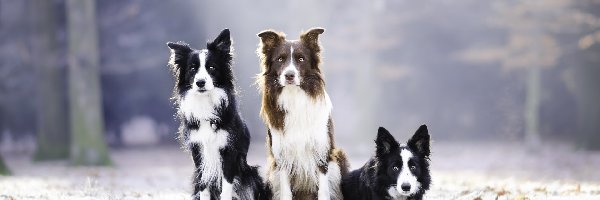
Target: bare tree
x,y
531,47
589,95
359,29
88,146
584,84
52,129
583,80
3,168
366,80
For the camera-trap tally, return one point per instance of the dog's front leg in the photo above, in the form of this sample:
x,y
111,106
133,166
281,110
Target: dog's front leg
x,y
230,170
323,193
201,191
227,190
285,190
204,194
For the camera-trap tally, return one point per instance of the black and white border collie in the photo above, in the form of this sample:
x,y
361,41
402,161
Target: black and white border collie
x,y
303,160
395,172
211,127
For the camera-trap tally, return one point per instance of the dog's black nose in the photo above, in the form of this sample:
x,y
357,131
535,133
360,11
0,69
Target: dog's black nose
x,y
405,187
289,76
200,83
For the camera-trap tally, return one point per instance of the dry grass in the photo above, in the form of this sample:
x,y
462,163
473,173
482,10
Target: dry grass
x,y
460,171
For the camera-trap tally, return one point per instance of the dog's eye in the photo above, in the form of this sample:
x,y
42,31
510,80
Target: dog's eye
x,y
395,168
301,59
211,68
412,167
280,59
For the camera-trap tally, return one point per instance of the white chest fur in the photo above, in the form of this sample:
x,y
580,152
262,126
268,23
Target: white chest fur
x,y
211,141
201,107
304,142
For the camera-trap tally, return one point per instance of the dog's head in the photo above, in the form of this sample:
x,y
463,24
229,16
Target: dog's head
x,y
291,62
403,169
202,70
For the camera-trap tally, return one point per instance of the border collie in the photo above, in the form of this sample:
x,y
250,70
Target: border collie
x,y
211,127
303,160
396,172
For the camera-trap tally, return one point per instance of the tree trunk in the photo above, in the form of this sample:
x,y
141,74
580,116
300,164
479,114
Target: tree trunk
x,y
587,96
366,80
3,168
52,131
88,146
532,107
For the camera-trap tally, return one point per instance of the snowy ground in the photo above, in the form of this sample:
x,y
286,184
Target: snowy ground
x,y
460,171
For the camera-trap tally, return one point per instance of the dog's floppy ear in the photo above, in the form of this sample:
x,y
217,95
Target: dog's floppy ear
x,y
222,42
179,53
311,38
420,141
385,142
269,39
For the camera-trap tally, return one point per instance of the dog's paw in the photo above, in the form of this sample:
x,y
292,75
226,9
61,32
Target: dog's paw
x,y
227,191
202,195
196,197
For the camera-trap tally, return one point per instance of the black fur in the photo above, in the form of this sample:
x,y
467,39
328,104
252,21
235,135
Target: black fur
x,y
184,64
372,181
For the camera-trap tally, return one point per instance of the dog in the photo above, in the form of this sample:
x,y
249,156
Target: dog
x,y
303,160
395,172
211,126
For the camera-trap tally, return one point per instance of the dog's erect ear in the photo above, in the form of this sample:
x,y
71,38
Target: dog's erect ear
x,y
179,52
222,42
179,47
420,141
385,142
311,37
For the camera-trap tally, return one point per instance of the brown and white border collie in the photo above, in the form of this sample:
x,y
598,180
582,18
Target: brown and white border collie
x,y
303,160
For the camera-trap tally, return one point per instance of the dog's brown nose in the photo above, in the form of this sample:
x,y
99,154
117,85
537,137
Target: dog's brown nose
x,y
289,76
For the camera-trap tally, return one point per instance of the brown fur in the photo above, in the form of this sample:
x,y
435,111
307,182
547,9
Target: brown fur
x,y
270,112
274,43
273,46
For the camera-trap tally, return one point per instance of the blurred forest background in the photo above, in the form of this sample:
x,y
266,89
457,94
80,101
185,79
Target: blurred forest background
x,y
79,79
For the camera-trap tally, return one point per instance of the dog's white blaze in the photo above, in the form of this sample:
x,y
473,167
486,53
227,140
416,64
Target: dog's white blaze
x,y
291,67
285,190
202,73
304,142
205,194
227,190
406,176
